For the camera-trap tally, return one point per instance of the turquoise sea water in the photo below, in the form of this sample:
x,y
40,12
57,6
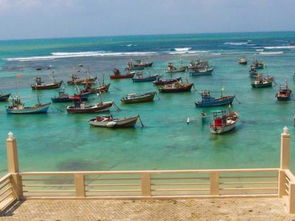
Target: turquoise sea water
x,y
59,141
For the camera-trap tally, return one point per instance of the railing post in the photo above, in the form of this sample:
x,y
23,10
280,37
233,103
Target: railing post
x,y
292,198
214,183
282,183
13,166
285,149
146,184
80,185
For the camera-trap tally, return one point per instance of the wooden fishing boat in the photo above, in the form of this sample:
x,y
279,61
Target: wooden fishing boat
x,y
223,122
81,81
257,64
138,78
117,75
17,107
4,97
198,64
110,122
171,69
160,82
176,88
81,108
138,65
262,82
202,71
64,97
209,101
40,85
138,98
284,94
104,88
243,61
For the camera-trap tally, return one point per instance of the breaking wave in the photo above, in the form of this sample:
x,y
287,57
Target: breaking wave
x,y
183,49
271,52
281,47
58,55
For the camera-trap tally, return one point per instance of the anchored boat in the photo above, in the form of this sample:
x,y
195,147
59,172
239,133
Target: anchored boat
x,y
110,122
78,81
201,71
223,122
138,98
176,88
284,94
138,65
64,97
209,101
4,97
117,75
81,108
243,61
17,107
40,85
104,88
140,78
261,82
171,69
160,82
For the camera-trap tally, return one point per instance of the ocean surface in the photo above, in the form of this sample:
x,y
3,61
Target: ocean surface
x,y
61,141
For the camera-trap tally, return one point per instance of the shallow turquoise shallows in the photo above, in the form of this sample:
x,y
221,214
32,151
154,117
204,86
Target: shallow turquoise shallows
x,y
60,141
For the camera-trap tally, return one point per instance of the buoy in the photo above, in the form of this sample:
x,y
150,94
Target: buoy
x,y
188,120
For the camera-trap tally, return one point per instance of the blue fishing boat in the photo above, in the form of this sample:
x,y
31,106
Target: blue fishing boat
x,y
202,72
18,107
64,97
140,78
209,101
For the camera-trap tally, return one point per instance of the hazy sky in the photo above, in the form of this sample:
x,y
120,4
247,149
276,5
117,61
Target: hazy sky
x,y
70,18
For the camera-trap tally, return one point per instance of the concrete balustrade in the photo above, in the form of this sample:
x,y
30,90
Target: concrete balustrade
x,y
151,184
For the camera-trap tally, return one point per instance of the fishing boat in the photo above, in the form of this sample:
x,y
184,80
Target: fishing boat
x,y
138,65
117,75
17,107
243,61
202,71
64,97
198,64
209,101
4,97
110,122
104,88
223,122
160,82
257,64
171,69
284,94
176,87
40,85
81,81
138,98
261,82
81,107
140,78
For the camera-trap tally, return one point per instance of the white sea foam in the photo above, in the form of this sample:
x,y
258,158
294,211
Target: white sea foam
x,y
237,43
58,55
271,52
260,49
186,52
183,49
281,47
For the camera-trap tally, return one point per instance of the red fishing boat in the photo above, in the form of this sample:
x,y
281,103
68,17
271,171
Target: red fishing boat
x,y
117,75
223,122
176,88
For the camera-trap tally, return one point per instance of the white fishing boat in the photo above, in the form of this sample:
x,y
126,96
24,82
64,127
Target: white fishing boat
x,y
223,122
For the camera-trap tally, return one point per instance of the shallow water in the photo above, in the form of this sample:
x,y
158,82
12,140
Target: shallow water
x,y
60,141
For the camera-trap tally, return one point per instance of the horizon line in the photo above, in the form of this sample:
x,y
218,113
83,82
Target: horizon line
x,y
134,35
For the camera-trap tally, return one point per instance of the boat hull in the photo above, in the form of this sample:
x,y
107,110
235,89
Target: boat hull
x,y
30,110
120,123
176,90
226,101
145,79
160,82
82,81
4,97
47,86
97,108
269,84
122,76
201,73
149,97
221,130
